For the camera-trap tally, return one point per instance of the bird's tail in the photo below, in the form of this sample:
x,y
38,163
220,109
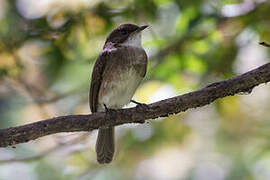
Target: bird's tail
x,y
105,145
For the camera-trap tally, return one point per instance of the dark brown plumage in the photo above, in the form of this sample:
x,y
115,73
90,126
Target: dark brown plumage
x,y
117,73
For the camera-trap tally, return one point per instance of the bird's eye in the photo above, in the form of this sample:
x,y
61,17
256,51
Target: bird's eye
x,y
123,32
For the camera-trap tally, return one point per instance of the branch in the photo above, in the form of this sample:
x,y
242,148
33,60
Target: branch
x,y
71,123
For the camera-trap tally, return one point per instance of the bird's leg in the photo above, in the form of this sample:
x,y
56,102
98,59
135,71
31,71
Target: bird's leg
x,y
109,111
140,106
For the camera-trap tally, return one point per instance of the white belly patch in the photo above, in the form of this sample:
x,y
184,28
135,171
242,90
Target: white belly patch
x,y
120,90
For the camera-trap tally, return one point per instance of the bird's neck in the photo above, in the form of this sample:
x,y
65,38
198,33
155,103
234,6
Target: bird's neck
x,y
133,41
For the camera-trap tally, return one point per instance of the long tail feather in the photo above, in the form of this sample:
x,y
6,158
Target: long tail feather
x,y
105,145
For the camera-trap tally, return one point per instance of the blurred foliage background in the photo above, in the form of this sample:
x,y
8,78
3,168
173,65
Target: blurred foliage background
x,y
47,51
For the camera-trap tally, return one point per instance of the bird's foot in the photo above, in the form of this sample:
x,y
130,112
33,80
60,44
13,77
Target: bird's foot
x,y
140,122
110,113
140,105
108,110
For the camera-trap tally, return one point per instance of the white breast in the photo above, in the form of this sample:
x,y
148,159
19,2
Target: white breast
x,y
121,91
134,40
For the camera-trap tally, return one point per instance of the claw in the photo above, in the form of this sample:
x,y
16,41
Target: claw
x,y
140,105
106,108
141,121
110,112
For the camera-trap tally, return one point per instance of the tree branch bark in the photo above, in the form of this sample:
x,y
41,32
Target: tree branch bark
x,y
71,123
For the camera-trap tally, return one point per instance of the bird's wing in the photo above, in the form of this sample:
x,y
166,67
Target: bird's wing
x,y
96,79
110,59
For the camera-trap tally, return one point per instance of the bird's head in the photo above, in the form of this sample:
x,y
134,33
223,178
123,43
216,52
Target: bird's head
x,y
126,34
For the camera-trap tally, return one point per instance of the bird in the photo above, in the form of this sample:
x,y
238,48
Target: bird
x,y
117,73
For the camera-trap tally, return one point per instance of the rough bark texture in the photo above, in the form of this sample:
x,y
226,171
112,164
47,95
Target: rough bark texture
x,y
242,83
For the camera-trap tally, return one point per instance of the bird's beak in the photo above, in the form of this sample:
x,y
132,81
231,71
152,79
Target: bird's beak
x,y
142,27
